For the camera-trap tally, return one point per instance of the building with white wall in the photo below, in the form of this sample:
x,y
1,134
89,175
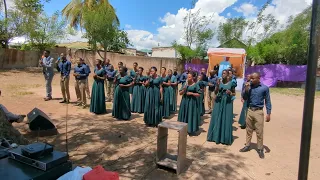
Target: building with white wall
x,y
166,52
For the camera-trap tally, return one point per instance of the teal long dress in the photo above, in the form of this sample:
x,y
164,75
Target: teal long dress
x,y
98,104
132,74
243,115
139,95
189,109
200,99
220,129
173,96
167,95
153,104
121,100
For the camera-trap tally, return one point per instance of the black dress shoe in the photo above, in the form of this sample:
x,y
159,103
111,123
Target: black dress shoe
x,y
245,149
64,101
261,153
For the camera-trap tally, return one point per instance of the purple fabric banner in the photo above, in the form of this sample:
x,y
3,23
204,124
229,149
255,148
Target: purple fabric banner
x,y
195,67
271,73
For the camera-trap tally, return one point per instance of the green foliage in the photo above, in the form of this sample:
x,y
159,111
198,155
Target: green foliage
x,y
233,43
288,46
185,52
232,29
262,27
47,31
196,34
74,11
21,20
102,29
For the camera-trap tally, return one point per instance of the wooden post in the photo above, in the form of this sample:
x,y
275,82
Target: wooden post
x,y
175,162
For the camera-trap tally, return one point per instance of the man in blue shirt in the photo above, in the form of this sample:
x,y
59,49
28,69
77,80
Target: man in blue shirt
x,y
47,64
257,95
204,72
212,80
107,64
58,61
176,74
183,77
64,69
87,79
81,74
224,65
110,85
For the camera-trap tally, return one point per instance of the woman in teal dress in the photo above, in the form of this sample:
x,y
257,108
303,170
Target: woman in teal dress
x,y
189,109
243,115
121,100
139,93
146,85
133,74
202,84
173,92
154,98
233,78
167,91
220,129
98,105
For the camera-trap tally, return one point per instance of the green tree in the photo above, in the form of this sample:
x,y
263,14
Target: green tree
x,y
262,27
196,35
74,11
185,52
196,30
11,24
234,28
102,30
288,46
48,31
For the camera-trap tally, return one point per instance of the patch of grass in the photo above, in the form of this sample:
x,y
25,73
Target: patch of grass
x,y
109,105
17,87
291,91
22,93
21,89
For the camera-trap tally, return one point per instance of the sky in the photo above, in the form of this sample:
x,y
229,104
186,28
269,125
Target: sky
x,y
159,23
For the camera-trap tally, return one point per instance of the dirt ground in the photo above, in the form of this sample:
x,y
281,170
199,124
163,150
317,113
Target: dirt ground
x,y
129,147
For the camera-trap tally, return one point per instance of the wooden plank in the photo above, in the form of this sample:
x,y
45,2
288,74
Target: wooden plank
x,y
162,142
173,125
169,161
182,150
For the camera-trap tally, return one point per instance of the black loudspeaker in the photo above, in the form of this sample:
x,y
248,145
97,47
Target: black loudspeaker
x,y
39,121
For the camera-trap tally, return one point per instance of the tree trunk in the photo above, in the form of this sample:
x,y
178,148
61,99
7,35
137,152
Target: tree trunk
x,y
6,45
105,55
5,9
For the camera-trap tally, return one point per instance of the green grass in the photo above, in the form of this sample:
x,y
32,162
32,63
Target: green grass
x,y
21,89
291,91
22,93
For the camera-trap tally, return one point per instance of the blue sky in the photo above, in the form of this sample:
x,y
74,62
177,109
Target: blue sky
x,y
150,23
146,14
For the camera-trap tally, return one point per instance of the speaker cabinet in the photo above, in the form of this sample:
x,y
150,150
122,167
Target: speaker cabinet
x,y
40,123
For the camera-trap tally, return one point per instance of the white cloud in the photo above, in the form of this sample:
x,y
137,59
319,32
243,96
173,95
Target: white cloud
x,y
173,27
128,26
282,9
229,14
78,37
142,39
10,4
247,9
17,40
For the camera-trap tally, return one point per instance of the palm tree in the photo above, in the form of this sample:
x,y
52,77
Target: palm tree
x,y
74,10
